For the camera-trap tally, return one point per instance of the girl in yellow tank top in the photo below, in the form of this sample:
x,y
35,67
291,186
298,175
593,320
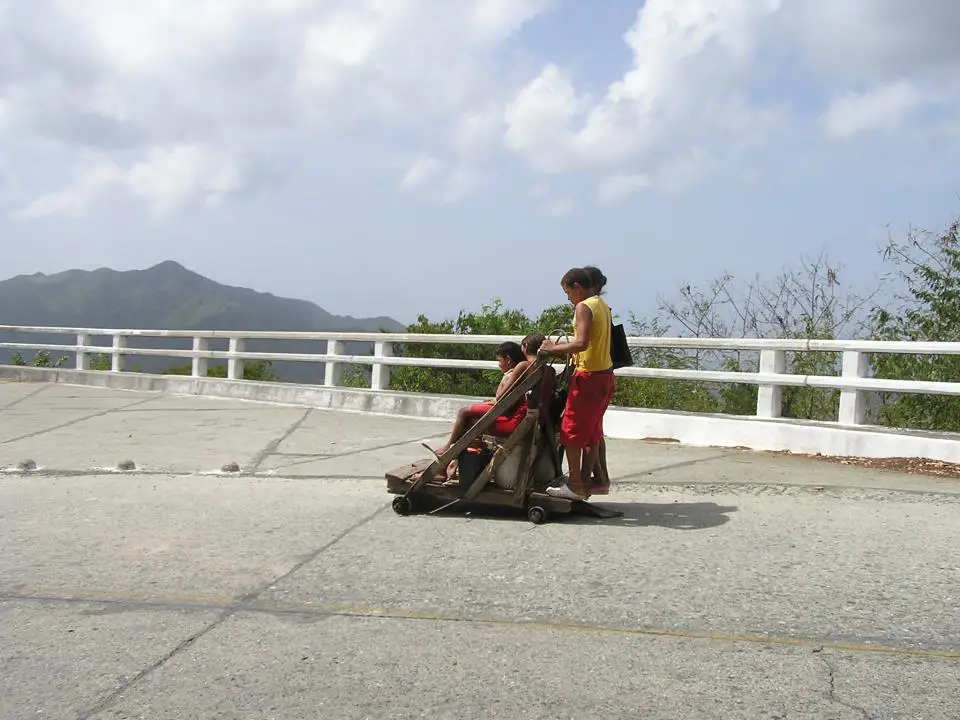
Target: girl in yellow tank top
x,y
593,383
596,358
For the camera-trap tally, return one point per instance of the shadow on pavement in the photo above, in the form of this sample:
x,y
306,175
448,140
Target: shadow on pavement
x,y
674,516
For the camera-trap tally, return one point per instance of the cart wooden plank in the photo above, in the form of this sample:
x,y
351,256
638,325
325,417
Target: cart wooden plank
x,y
530,378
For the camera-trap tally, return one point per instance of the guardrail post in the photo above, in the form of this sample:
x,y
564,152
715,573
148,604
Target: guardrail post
x,y
333,370
83,359
119,344
853,404
235,364
770,397
380,379
200,364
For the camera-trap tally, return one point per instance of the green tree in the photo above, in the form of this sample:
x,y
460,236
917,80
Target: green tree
x,y
41,359
928,310
356,376
656,393
258,370
806,301
100,362
493,319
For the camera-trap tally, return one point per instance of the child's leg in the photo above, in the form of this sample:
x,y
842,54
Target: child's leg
x,y
466,417
600,475
575,480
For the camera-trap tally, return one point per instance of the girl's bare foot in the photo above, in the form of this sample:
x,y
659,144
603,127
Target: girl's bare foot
x,y
435,453
452,474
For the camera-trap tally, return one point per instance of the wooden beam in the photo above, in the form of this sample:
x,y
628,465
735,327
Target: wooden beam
x,y
523,429
525,469
530,378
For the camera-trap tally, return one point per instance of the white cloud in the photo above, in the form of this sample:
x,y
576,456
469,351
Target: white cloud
x,y
881,108
673,176
472,136
194,91
864,41
167,180
476,130
682,171
711,81
9,185
615,188
461,182
94,177
171,178
882,62
691,60
421,172
540,190
538,121
443,181
556,208
116,76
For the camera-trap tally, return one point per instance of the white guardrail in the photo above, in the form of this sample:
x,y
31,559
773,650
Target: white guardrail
x,y
771,378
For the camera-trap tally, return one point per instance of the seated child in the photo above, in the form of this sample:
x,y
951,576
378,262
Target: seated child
x,y
512,362
531,346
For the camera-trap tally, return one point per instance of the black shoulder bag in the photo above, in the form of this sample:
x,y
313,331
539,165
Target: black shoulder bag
x,y
619,349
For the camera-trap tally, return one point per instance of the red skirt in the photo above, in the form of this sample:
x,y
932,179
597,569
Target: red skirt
x,y
505,424
588,399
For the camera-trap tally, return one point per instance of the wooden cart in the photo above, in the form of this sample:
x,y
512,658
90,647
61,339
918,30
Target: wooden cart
x,y
512,471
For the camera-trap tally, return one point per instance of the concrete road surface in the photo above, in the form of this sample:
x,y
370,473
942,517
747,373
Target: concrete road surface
x,y
736,584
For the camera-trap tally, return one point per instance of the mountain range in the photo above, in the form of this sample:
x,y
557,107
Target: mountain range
x,y
169,296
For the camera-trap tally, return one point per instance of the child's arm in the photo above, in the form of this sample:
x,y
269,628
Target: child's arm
x,y
509,378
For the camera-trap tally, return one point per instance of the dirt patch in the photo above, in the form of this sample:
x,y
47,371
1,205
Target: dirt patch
x,y
911,466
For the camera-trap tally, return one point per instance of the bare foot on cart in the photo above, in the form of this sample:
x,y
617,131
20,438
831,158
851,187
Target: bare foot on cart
x,y
452,473
435,453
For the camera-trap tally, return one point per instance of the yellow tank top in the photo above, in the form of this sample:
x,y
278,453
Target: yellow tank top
x,y
597,355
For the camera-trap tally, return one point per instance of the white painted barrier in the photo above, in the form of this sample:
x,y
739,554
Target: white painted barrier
x,y
848,435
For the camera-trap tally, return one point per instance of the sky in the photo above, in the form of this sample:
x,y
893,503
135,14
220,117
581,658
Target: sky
x,y
422,156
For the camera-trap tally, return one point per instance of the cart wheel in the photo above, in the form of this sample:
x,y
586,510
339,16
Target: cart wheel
x,y
402,505
537,515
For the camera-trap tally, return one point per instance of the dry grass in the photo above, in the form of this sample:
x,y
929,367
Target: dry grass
x,y
911,466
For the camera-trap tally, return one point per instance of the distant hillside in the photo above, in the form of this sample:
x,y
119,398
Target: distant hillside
x,y
169,296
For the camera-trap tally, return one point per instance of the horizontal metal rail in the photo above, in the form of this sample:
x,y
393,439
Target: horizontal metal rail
x,y
852,383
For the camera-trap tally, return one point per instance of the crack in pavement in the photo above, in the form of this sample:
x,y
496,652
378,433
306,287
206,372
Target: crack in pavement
x,y
293,478
248,604
693,487
349,453
231,411
683,463
172,474
118,693
244,602
26,397
832,689
272,446
77,421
